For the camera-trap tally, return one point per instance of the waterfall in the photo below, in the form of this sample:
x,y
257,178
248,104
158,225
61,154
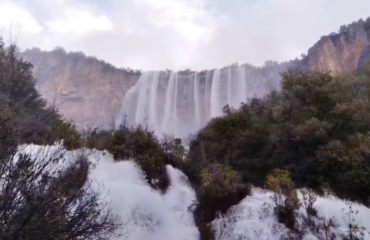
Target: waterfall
x,y
216,94
168,102
175,124
153,99
180,103
142,90
196,100
229,89
207,102
242,86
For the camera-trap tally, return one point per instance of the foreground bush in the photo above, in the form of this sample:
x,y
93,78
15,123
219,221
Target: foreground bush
x,y
140,145
285,197
40,201
221,189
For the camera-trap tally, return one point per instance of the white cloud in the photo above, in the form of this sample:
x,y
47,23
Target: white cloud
x,y
276,29
16,17
79,22
184,16
159,34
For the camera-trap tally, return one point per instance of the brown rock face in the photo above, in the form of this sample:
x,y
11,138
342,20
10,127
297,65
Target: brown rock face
x,y
85,90
90,91
339,52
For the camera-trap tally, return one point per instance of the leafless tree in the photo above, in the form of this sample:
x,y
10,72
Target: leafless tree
x,y
167,142
46,195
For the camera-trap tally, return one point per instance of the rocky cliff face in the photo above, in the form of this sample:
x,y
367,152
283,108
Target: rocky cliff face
x,y
85,90
90,91
341,52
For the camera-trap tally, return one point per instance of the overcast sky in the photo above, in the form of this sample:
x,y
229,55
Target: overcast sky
x,y
178,34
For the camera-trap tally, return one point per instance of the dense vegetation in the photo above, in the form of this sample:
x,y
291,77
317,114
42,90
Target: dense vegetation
x,y
38,198
316,127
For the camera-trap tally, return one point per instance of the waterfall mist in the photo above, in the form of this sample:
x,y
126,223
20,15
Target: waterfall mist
x,y
148,214
180,103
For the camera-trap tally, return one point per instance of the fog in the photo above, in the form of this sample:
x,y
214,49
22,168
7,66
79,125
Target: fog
x,y
177,34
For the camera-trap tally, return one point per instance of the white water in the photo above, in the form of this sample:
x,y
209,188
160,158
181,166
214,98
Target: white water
x,y
216,94
156,217
253,218
181,103
196,100
168,103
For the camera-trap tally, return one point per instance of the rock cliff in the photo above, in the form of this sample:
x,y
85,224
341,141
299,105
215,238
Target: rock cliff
x,y
91,91
341,52
85,90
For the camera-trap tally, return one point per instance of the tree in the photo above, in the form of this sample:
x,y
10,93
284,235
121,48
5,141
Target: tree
x,y
343,29
43,195
35,121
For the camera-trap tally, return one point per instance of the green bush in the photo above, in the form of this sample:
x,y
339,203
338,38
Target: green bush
x,y
285,197
140,145
221,189
97,139
68,132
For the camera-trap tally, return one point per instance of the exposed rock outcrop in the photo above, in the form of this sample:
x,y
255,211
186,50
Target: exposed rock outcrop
x,y
86,90
90,91
340,52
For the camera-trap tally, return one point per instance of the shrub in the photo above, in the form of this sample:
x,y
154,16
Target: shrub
x,y
308,199
222,188
206,232
285,197
68,132
140,145
41,201
97,139
354,230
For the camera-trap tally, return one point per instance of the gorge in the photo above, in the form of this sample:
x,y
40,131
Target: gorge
x,y
92,92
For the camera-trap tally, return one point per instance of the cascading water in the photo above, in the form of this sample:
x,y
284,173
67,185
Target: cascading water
x,y
242,86
168,101
216,94
154,216
207,99
181,103
153,98
196,100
